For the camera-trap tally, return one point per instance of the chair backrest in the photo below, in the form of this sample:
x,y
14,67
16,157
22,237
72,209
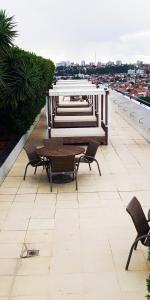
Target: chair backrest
x,y
63,163
92,149
53,142
135,210
31,153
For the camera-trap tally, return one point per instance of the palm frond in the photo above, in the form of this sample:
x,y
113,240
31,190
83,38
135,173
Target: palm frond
x,y
7,32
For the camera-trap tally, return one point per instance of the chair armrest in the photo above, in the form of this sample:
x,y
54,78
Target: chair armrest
x,y
35,162
80,159
142,237
88,156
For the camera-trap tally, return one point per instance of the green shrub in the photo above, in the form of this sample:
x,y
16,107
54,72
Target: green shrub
x,y
148,287
7,32
148,279
24,80
27,77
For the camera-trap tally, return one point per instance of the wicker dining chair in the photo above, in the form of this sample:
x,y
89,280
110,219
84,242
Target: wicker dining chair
x,y
53,142
136,212
62,165
34,159
89,156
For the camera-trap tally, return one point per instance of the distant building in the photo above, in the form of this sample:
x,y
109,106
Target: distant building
x,y
99,63
83,63
61,64
146,67
118,62
131,72
139,62
68,63
64,64
92,64
110,63
140,72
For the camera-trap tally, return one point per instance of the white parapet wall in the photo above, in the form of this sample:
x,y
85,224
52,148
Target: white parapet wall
x,y
138,115
8,163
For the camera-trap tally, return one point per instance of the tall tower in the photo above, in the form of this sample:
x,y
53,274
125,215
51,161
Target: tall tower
x,y
95,58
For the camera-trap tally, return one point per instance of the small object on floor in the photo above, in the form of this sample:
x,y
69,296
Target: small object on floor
x,y
26,253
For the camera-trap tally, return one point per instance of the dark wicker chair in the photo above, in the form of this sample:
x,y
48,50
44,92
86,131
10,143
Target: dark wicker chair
x,y
53,142
62,164
89,156
141,224
34,159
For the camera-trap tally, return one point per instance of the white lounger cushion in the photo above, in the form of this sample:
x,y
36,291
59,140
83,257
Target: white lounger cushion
x,y
77,109
73,103
74,118
71,132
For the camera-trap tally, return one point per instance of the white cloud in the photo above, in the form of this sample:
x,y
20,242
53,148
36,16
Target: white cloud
x,y
75,29
136,36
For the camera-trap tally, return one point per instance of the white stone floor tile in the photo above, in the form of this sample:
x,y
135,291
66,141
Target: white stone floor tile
x,y
15,224
37,224
132,281
39,236
25,198
5,285
83,236
34,266
8,266
67,283
31,285
12,250
134,295
29,298
104,295
67,296
6,198
12,236
8,190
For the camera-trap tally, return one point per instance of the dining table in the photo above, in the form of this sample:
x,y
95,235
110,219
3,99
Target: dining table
x,y
49,152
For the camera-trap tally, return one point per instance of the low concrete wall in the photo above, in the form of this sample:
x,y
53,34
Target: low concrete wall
x,y
135,113
5,168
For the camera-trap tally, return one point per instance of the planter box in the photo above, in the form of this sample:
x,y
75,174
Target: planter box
x,y
10,155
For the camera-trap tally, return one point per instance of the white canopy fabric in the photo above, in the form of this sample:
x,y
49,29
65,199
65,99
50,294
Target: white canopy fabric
x,y
72,82
70,86
70,132
76,92
74,109
72,103
75,118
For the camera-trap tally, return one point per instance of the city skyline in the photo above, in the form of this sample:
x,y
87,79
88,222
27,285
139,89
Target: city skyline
x,y
99,63
76,31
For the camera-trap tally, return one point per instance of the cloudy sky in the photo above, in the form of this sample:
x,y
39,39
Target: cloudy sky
x,y
83,29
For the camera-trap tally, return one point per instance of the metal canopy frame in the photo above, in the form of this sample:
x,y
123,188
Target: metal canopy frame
x,y
97,97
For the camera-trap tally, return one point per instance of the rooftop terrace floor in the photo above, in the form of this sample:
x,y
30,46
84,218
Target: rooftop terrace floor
x,y
83,237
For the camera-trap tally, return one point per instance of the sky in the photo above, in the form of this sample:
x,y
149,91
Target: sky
x,y
76,30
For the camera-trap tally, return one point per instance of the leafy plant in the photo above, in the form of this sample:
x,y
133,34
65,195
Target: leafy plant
x,y
148,279
148,287
7,32
24,80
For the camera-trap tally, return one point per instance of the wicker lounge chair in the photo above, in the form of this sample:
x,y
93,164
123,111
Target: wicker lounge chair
x,y
34,159
141,224
64,165
89,156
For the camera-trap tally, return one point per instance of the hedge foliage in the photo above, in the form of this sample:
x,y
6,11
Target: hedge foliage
x,y
148,279
24,80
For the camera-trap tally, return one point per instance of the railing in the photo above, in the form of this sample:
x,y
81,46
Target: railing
x,y
141,101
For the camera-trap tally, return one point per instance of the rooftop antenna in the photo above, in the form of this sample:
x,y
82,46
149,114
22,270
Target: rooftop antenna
x,y
95,57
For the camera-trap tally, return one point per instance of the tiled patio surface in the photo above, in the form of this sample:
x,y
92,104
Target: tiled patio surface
x,y
83,237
